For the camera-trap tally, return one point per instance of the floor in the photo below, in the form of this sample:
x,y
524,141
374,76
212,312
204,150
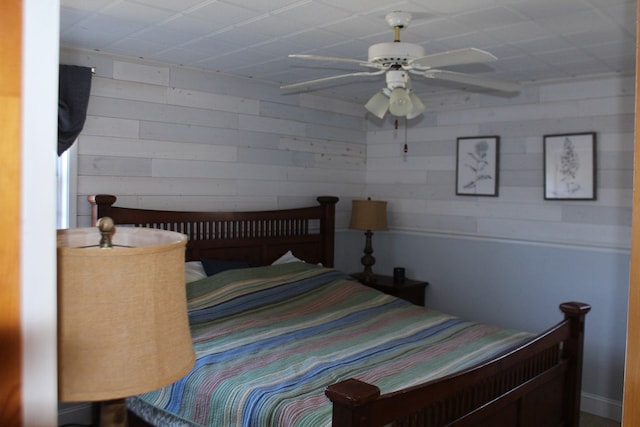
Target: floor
x,y
586,420
589,420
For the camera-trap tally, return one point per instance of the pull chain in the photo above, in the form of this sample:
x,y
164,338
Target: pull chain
x,y
406,147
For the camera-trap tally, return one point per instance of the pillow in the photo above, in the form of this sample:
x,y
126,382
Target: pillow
x,y
213,266
288,257
193,270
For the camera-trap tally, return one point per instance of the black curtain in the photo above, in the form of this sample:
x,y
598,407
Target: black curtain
x,y
73,99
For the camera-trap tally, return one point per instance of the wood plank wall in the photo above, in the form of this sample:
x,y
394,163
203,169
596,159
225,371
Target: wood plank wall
x,y
10,148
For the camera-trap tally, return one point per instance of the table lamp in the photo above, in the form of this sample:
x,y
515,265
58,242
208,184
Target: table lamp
x,y
122,315
368,215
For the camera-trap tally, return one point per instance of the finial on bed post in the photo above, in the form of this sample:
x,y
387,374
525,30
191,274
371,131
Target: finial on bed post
x,y
352,400
574,313
98,203
328,224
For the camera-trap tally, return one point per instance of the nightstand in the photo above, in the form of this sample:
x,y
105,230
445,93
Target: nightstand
x,y
409,290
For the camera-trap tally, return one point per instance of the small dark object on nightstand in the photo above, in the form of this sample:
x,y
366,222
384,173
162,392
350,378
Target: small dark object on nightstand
x,y
398,274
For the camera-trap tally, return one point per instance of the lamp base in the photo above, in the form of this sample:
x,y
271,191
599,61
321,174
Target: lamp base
x,y
113,413
368,260
367,278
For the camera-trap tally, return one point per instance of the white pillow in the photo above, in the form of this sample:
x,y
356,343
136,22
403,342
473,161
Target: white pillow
x,y
288,257
193,270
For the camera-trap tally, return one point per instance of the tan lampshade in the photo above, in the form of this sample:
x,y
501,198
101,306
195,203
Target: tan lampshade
x,y
368,215
122,313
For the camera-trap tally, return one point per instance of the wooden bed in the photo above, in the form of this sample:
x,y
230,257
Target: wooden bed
x,y
536,384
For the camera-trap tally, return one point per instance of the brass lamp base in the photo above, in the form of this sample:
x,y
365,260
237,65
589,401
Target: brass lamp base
x,y
368,260
112,413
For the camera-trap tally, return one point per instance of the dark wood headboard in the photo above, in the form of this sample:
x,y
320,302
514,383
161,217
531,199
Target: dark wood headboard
x,y
258,237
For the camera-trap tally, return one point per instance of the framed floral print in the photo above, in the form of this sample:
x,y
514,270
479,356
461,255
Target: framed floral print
x,y
570,166
477,166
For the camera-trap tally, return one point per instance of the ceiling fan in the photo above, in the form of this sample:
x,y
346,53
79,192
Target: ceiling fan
x,y
397,60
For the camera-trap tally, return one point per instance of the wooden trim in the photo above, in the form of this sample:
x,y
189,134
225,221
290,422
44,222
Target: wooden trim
x,y
631,399
10,160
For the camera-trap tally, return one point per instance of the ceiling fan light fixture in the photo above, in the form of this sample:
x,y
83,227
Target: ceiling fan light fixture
x,y
417,106
396,79
399,102
378,104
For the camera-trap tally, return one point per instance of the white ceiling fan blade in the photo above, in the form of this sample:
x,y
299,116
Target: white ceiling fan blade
x,y
336,59
326,79
452,57
501,85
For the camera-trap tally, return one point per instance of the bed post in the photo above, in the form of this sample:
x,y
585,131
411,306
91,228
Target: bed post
x,y
100,202
327,228
575,313
352,401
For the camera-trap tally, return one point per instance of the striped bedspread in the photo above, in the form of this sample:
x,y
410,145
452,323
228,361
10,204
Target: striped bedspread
x,y
268,340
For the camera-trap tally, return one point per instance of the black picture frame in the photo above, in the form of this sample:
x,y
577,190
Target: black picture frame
x,y
570,166
477,171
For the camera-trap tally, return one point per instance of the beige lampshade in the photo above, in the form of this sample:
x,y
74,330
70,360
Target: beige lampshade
x,y
368,215
122,313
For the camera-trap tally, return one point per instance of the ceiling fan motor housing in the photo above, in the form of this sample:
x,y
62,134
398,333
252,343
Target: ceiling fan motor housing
x,y
394,53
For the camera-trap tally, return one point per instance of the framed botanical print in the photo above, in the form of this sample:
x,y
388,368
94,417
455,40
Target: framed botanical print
x,y
477,166
570,166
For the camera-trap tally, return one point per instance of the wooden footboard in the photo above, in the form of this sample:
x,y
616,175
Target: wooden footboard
x,y
537,384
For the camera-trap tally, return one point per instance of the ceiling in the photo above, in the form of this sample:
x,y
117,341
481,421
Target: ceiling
x,y
534,40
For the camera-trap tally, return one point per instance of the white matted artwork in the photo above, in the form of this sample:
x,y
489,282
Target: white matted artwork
x,y
477,166
570,166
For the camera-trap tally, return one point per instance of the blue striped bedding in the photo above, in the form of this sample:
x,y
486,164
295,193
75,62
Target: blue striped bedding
x,y
268,340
